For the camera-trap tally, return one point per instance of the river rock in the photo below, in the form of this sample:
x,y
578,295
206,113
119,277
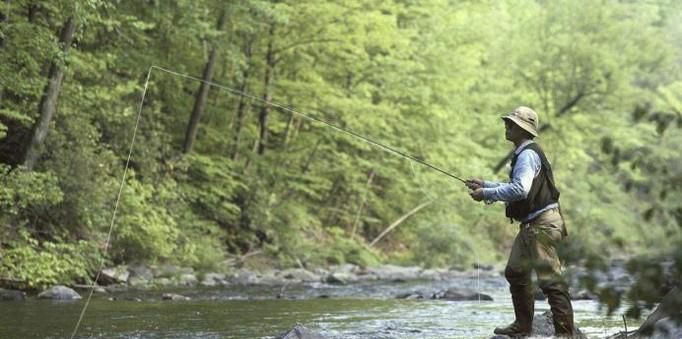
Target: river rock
x,y
542,328
272,278
340,278
419,294
12,295
300,332
138,282
483,267
213,279
114,275
141,272
163,282
458,294
300,274
170,271
243,277
667,328
59,292
345,268
97,288
174,297
393,272
187,279
434,274
583,295
659,324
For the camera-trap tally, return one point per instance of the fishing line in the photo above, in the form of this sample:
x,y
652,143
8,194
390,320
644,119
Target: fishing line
x,y
118,199
246,95
309,117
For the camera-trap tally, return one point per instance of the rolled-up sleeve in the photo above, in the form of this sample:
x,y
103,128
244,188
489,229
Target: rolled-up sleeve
x,y
526,168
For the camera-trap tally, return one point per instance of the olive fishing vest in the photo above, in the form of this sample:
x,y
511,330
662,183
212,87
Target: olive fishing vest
x,y
542,192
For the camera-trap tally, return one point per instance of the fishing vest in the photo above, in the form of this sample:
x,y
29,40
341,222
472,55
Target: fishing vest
x,y
542,192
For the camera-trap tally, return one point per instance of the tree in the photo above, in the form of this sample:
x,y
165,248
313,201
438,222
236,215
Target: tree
x,y
48,102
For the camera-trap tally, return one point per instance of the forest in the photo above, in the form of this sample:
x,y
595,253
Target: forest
x,y
228,167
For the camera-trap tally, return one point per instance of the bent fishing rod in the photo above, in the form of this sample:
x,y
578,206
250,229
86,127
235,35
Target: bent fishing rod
x,y
309,117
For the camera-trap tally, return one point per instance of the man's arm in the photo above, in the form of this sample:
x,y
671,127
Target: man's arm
x,y
526,168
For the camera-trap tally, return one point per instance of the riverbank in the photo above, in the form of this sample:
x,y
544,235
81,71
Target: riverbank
x,y
165,277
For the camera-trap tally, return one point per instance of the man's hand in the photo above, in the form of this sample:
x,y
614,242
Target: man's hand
x,y
474,184
477,194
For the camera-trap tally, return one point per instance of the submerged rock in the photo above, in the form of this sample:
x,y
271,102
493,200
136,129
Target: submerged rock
x,y
11,295
452,294
457,294
59,292
300,332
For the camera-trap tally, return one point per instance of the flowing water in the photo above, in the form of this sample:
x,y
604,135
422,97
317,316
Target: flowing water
x,y
363,310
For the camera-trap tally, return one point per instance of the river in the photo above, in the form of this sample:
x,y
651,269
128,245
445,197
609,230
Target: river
x,y
361,310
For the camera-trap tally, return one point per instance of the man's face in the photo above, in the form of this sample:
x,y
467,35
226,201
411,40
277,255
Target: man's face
x,y
512,131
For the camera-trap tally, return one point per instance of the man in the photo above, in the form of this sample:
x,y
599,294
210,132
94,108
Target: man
x,y
532,199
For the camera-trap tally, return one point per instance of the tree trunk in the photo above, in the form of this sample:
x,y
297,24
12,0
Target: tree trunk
x,y
3,18
241,107
48,102
202,93
356,222
32,12
267,95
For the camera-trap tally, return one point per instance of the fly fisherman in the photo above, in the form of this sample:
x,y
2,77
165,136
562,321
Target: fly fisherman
x,y
532,199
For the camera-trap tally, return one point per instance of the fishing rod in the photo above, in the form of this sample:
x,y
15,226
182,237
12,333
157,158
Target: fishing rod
x,y
336,127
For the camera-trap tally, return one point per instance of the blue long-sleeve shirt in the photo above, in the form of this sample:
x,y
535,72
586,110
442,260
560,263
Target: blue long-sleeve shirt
x,y
526,168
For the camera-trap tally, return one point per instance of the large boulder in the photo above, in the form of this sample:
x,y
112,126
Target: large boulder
x,y
300,332
11,295
542,327
59,292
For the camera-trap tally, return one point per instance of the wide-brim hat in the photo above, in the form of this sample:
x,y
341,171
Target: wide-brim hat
x,y
524,117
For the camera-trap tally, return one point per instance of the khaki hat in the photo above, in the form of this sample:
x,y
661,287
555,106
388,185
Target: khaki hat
x,y
525,118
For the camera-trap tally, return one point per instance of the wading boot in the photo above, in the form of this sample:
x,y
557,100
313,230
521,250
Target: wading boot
x,y
562,310
524,306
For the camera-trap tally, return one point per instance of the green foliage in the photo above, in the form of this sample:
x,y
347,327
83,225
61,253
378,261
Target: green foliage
x,y
144,231
27,194
35,265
